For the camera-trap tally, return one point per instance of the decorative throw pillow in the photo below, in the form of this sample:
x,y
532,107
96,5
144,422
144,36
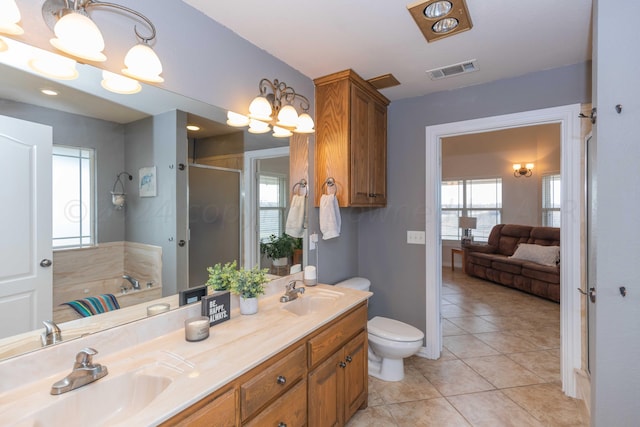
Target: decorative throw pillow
x,y
545,255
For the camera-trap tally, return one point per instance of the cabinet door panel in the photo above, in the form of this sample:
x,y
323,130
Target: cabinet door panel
x,y
290,409
356,375
378,156
360,125
326,394
217,412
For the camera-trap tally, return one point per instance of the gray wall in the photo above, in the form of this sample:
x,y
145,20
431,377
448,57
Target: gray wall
x,y
107,138
396,269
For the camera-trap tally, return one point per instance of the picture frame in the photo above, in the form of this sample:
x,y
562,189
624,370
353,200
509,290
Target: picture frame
x,y
147,182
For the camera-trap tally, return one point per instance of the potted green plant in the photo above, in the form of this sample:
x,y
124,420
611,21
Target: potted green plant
x,y
221,277
249,285
279,249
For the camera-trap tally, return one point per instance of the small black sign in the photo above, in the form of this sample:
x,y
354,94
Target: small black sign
x,y
217,307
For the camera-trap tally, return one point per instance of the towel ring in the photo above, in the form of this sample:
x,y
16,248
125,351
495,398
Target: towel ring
x,y
329,182
303,187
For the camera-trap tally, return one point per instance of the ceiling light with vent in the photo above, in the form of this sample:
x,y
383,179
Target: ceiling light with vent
x,y
440,18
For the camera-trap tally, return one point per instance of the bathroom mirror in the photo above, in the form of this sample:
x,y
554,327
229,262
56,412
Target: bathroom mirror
x,y
83,104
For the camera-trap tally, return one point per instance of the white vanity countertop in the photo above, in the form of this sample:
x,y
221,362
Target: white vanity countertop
x,y
196,368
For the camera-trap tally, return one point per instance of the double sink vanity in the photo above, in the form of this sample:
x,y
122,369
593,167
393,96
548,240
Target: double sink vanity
x,y
302,362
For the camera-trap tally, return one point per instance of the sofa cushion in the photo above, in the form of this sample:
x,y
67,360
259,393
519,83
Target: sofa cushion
x,y
508,265
511,235
541,272
545,255
548,236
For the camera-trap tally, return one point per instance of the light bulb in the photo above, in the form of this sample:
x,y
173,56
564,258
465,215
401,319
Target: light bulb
x,y
79,36
288,117
143,64
305,124
260,109
256,126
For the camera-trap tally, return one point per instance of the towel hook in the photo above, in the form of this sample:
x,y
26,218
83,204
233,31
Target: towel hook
x,y
329,182
302,184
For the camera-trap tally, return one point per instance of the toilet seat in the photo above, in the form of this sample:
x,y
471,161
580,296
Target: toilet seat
x,y
393,330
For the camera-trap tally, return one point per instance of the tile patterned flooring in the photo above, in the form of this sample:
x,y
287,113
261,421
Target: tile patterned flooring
x,y
500,366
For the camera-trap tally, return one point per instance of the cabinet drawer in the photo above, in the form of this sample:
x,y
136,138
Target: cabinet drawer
x,y
271,382
289,410
328,341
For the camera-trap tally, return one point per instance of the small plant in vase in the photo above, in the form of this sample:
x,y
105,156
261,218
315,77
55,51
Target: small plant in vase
x,y
279,249
221,277
249,285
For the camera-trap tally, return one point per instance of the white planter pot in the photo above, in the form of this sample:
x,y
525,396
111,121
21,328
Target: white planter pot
x,y
248,305
280,262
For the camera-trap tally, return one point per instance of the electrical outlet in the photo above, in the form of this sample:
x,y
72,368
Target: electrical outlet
x,y
313,240
415,237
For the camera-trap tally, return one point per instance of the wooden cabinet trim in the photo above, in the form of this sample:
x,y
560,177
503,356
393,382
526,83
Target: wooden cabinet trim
x,y
221,405
289,409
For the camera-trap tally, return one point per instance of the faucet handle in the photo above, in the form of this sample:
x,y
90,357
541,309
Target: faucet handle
x,y
85,357
291,285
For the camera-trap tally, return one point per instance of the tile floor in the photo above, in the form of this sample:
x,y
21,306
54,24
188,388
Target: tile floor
x,y
500,366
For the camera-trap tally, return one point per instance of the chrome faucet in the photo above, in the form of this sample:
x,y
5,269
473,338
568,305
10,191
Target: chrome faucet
x,y
134,283
51,334
83,373
291,292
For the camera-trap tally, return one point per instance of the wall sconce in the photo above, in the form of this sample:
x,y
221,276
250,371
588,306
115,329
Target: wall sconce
x,y
467,223
78,36
519,170
118,198
269,104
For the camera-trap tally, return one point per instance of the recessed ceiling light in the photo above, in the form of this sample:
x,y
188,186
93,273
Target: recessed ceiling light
x,y
49,92
193,128
440,18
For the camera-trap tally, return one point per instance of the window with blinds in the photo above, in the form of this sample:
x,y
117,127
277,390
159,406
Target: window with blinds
x,y
551,200
272,196
479,198
73,197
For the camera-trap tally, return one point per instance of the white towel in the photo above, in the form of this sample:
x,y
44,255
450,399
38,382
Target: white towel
x,y
329,216
295,220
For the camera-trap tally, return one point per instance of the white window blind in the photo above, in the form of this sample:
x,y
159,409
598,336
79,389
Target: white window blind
x,y
73,197
272,196
551,200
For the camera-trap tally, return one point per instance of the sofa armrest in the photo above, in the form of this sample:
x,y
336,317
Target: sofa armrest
x,y
485,249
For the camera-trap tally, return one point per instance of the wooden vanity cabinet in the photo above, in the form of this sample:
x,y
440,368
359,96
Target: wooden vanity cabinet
x,y
351,140
219,409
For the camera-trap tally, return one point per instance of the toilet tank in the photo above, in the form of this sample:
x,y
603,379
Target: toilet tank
x,y
359,283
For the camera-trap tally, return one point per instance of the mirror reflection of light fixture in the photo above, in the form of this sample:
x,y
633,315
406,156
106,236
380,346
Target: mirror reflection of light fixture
x,y
119,84
467,223
119,198
274,107
53,65
9,18
77,35
519,170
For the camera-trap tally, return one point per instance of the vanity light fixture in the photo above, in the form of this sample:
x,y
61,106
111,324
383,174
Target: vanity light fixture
x,y
53,65
77,35
119,84
3,45
118,198
438,19
519,170
274,107
10,18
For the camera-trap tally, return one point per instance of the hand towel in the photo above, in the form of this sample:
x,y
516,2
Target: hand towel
x,y
329,216
295,219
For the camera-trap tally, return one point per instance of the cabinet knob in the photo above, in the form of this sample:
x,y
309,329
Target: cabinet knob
x,y
281,379
349,359
342,364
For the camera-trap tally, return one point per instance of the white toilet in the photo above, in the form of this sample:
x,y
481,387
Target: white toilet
x,y
390,341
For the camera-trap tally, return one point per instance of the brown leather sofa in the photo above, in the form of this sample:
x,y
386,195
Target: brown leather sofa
x,y
492,261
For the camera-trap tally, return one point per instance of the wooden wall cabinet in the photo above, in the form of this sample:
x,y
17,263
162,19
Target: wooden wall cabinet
x,y
319,381
351,140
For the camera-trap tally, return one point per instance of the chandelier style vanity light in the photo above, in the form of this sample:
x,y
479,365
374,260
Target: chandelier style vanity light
x,y
274,108
519,170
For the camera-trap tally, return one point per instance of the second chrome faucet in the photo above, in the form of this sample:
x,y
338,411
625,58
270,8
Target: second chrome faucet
x,y
291,292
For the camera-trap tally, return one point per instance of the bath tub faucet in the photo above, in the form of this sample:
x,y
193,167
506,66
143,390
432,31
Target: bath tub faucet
x,y
51,334
134,283
84,372
291,292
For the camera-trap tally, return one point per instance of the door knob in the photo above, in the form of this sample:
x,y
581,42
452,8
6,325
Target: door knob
x,y
46,263
181,243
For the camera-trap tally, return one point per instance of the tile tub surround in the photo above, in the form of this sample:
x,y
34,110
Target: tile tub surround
x,y
207,364
500,366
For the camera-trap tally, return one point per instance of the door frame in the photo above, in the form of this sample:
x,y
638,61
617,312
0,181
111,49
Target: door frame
x,y
570,231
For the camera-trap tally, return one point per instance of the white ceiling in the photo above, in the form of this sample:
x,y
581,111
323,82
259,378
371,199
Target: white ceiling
x,y
509,38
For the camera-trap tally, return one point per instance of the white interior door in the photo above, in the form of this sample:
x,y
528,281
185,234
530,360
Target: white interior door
x,y
25,226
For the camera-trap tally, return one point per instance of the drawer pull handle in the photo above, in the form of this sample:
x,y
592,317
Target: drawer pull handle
x,y
342,364
281,424
281,379
349,359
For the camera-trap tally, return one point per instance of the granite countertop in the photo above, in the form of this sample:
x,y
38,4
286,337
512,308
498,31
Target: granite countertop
x,y
192,370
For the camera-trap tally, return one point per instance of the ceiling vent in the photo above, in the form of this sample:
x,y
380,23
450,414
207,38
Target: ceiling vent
x,y
453,70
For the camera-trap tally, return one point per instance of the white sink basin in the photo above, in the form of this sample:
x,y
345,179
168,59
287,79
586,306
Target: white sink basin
x,y
312,302
104,402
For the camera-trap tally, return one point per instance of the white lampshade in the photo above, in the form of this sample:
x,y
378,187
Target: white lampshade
x,y
9,18
143,64
237,120
305,124
53,65
467,222
288,117
119,84
79,36
260,109
256,126
279,132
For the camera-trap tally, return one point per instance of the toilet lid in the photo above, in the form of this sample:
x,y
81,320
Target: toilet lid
x,y
393,330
